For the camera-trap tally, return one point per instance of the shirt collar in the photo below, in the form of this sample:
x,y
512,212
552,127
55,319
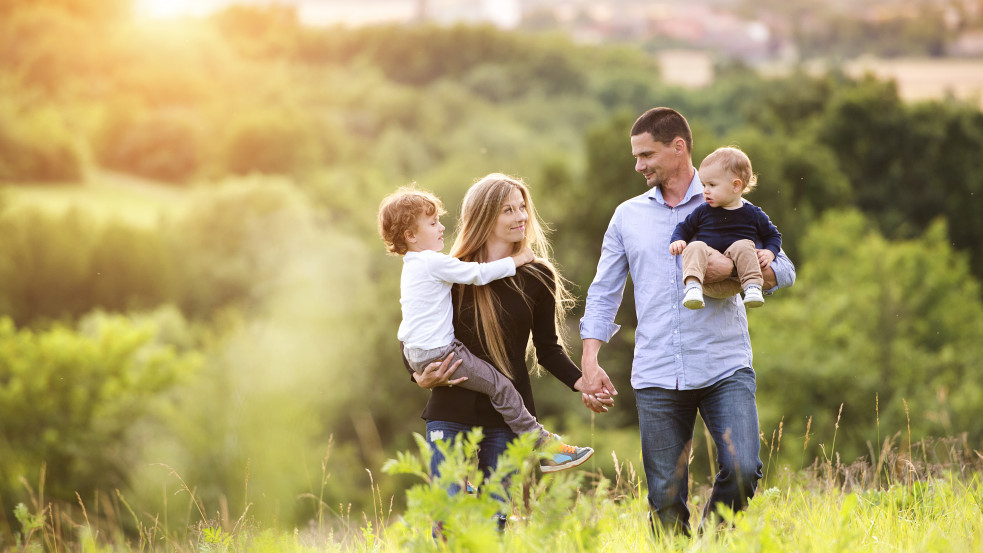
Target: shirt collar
x,y
695,189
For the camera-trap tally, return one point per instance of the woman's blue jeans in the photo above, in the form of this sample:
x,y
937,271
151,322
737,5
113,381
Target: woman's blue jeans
x,y
490,448
666,419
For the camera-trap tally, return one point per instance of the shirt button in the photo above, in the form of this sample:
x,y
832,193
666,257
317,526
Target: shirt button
x,y
674,307
678,356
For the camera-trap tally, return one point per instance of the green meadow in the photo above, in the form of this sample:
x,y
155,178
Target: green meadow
x,y
133,200
198,320
926,499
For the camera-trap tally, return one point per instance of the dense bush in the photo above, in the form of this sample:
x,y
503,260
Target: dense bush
x,y
68,398
37,145
56,267
269,141
168,145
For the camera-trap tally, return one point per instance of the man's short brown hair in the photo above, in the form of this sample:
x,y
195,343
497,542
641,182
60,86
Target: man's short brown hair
x,y
664,124
399,212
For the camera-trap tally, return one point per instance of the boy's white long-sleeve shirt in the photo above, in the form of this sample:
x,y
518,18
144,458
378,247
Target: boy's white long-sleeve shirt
x,y
425,294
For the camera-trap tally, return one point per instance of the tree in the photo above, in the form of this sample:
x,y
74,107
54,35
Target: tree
x,y
872,323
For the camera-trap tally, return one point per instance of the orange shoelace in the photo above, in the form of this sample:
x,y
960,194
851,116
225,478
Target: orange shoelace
x,y
564,448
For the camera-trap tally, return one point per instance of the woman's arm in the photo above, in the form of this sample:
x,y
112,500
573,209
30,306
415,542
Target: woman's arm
x,y
549,352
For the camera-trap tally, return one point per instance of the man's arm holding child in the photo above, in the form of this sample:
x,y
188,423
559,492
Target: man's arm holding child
x,y
780,273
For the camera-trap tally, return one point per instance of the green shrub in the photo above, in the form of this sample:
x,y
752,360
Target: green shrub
x,y
235,239
270,141
63,266
165,144
44,263
37,144
68,398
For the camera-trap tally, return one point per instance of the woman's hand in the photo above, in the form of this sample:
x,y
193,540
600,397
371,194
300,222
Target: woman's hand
x,y
597,402
439,373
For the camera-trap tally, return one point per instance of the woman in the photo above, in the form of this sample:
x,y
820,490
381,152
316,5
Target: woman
x,y
495,321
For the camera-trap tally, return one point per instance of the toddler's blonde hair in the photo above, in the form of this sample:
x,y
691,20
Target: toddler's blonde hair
x,y
735,162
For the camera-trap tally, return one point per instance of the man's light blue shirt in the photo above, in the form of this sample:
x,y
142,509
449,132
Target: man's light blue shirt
x,y
675,347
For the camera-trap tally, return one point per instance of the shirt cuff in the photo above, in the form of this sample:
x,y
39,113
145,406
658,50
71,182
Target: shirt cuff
x,y
784,274
597,330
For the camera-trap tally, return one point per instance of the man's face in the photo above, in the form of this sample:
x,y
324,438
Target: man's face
x,y
653,159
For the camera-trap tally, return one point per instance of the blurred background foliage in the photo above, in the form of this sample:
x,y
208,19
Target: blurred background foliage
x,y
191,284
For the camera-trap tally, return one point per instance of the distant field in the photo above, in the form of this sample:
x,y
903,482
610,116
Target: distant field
x,y
917,78
687,68
927,79
105,195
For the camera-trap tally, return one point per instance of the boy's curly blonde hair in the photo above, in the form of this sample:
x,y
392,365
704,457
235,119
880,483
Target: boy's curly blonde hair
x,y
399,212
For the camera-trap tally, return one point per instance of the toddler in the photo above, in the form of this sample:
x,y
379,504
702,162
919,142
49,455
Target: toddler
x,y
729,224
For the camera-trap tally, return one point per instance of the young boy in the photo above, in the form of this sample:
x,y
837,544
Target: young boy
x,y
729,224
410,226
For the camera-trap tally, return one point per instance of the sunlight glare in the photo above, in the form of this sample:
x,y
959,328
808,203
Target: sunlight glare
x,y
169,9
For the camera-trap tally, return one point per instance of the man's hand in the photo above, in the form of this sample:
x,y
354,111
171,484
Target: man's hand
x,y
523,257
719,267
596,388
677,247
439,373
765,257
597,402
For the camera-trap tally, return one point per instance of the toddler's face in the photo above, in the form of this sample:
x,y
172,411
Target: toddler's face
x,y
721,188
428,235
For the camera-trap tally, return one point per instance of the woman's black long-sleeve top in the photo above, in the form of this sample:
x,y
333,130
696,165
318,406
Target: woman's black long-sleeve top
x,y
518,319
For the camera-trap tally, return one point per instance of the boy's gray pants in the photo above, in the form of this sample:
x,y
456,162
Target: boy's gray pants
x,y
482,378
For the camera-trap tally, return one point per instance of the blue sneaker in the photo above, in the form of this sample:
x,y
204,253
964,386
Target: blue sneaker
x,y
560,456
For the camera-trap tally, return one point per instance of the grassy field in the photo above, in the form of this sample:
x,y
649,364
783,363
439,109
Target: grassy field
x,y
106,195
901,502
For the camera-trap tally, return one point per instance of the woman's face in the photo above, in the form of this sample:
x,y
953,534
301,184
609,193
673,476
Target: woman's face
x,y
510,227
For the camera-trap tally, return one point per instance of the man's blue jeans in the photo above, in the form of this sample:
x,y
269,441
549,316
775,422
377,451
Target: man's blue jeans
x,y
490,448
666,419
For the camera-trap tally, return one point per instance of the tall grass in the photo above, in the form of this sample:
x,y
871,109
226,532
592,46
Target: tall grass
x,y
926,496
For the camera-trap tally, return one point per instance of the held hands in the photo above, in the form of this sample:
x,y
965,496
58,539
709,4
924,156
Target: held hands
x,y
439,373
596,390
523,257
677,247
765,257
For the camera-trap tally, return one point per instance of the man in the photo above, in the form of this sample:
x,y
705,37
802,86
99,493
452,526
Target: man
x,y
685,361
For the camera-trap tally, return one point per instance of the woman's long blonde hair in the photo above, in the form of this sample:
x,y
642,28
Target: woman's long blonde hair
x,y
479,212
